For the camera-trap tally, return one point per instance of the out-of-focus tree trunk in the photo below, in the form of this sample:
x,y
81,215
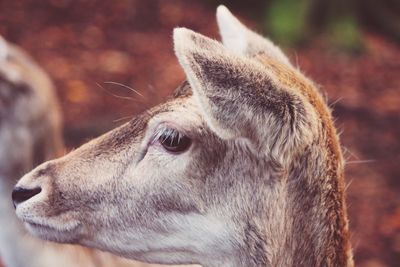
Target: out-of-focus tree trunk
x,y
380,16
324,12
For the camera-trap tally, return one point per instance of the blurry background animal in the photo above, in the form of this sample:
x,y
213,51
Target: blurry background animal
x,y
30,133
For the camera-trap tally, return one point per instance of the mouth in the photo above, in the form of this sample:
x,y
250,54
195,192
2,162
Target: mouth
x,y
66,234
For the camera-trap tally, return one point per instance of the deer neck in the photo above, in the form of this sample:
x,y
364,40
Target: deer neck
x,y
304,221
313,227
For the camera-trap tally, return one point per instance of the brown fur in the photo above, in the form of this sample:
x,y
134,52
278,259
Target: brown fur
x,y
335,173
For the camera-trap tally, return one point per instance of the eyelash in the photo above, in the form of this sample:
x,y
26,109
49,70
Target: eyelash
x,y
172,140
166,132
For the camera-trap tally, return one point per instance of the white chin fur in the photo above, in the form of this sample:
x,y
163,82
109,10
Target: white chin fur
x,y
65,234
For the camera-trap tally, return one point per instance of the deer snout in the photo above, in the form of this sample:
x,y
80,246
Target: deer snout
x,y
32,184
20,194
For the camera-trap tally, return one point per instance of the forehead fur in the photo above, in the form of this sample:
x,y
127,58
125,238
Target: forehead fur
x,y
183,90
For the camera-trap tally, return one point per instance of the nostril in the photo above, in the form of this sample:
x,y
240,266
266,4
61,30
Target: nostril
x,y
20,194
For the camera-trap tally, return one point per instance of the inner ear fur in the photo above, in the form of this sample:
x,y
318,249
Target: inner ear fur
x,y
241,98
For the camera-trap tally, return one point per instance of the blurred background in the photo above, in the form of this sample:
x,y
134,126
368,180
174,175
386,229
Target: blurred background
x,y
351,48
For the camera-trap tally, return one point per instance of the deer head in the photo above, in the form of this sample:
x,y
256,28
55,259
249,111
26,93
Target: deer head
x,y
241,167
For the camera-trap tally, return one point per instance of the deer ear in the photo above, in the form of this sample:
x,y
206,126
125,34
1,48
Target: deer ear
x,y
238,38
239,96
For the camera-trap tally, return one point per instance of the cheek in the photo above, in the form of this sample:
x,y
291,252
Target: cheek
x,y
159,165
162,183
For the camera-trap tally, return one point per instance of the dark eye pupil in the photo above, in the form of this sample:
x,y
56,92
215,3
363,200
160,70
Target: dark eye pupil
x,y
175,143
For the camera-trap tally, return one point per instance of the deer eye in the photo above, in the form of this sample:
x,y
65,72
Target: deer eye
x,y
174,141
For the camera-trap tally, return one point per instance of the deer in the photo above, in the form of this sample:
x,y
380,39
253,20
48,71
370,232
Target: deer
x,y
241,166
30,133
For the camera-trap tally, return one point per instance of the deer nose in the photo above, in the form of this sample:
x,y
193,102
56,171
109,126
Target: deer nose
x,y
20,194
